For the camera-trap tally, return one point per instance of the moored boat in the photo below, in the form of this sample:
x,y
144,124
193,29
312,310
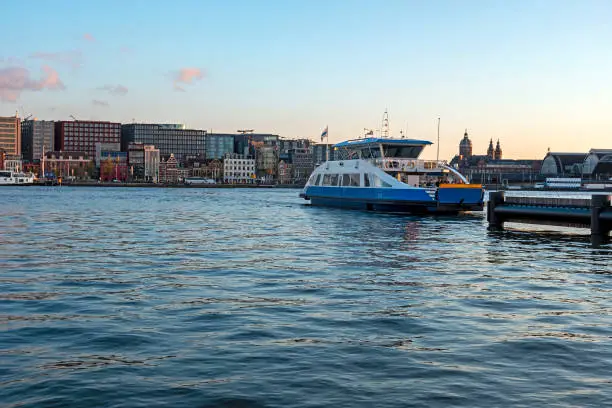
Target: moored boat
x,y
14,178
384,174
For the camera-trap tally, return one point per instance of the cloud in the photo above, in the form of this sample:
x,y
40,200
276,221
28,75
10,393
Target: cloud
x,y
114,89
88,37
73,58
186,76
15,80
98,102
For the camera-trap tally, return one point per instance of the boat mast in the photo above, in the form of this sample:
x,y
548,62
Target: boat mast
x,y
385,124
438,153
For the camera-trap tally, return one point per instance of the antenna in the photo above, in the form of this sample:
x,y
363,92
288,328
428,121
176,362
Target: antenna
x,y
73,118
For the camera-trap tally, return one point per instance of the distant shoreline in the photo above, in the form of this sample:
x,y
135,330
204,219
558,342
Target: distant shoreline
x,y
152,185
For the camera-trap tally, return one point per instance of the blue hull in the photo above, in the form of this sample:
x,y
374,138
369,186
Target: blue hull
x,y
418,201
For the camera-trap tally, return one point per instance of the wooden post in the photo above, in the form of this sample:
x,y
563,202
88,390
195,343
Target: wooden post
x,y
599,232
495,199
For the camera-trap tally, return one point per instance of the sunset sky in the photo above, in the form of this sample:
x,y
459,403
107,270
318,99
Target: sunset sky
x,y
534,74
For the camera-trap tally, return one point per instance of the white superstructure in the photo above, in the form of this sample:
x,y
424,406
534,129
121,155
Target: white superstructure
x,y
11,177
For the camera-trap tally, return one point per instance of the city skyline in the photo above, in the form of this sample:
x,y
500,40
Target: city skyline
x,y
534,75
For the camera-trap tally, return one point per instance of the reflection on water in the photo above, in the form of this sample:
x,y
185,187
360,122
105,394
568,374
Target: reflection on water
x,y
188,297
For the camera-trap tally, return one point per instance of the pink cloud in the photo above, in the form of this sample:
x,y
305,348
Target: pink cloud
x,y
73,58
15,80
114,89
88,37
98,102
186,76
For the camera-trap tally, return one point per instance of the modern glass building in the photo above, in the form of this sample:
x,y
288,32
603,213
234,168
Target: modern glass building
x,y
36,135
169,139
218,145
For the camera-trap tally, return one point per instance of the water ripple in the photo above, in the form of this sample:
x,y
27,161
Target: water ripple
x,y
249,298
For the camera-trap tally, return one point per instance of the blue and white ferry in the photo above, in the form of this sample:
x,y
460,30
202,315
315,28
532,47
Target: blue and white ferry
x,y
384,174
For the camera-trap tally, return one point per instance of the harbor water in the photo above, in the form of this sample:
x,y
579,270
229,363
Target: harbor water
x,y
130,297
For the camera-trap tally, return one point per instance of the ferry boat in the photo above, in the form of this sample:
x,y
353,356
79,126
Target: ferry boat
x,y
385,174
13,178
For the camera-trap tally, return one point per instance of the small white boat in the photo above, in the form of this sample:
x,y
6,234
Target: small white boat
x,y
14,178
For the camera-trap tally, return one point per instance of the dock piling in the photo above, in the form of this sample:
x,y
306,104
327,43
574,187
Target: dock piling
x,y
495,199
599,229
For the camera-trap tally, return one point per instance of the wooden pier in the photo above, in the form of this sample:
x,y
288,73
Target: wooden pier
x,y
594,213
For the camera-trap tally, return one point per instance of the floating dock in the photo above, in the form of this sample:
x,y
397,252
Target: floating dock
x,y
594,213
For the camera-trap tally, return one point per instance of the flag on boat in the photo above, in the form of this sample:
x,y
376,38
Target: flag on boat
x,y
324,134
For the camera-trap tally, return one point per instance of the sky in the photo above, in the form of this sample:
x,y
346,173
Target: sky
x,y
533,74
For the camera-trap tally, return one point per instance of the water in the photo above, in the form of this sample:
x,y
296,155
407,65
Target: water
x,y
121,297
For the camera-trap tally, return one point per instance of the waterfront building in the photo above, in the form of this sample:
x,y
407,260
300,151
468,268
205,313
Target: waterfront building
x,y
102,150
67,164
266,163
218,145
168,170
37,135
82,135
285,145
320,151
285,170
136,161
248,143
10,135
211,169
491,168
13,163
302,163
113,166
173,139
238,169
2,158
151,163
596,165
556,164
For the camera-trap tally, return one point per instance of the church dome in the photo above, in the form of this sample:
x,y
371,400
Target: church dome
x,y
465,146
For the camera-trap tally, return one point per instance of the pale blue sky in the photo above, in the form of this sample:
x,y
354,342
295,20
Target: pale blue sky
x,y
535,74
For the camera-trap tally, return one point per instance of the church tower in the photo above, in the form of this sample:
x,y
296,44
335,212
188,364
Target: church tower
x,y
465,146
498,151
490,151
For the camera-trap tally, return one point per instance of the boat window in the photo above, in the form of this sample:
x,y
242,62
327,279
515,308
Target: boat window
x,y
5,174
366,180
403,151
378,182
350,180
330,180
333,181
318,180
370,153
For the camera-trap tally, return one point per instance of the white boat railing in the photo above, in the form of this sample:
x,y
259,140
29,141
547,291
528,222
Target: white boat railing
x,y
409,165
